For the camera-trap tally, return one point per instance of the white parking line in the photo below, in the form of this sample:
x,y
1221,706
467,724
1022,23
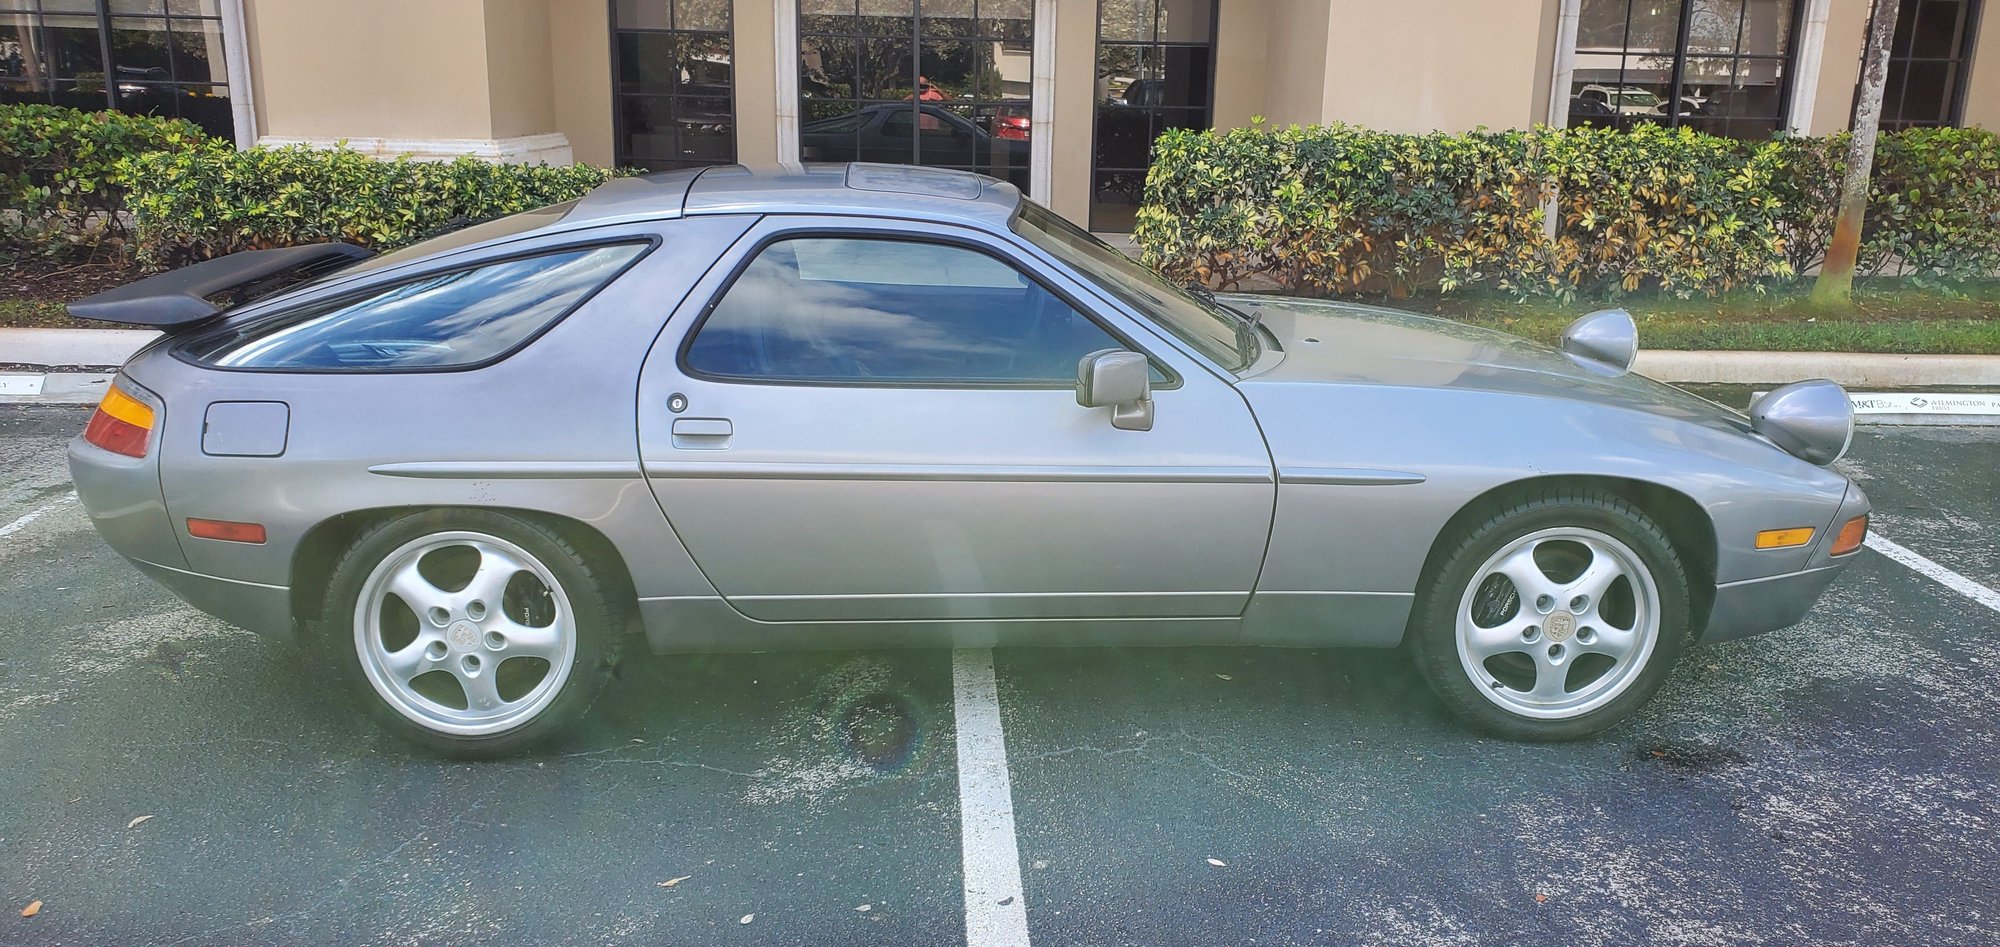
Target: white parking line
x,y
33,515
995,913
1945,577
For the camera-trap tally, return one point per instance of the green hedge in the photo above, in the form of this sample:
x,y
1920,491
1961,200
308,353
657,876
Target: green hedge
x,y
206,202
61,179
1335,209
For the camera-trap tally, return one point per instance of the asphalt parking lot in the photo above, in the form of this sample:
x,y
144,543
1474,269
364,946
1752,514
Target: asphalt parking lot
x,y
1834,783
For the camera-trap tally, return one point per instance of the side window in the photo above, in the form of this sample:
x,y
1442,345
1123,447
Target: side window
x,y
852,310
442,320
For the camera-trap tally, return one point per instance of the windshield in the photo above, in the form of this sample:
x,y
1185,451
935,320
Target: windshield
x,y
1637,98
1200,323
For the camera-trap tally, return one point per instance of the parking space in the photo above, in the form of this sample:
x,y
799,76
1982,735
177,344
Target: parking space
x,y
1838,782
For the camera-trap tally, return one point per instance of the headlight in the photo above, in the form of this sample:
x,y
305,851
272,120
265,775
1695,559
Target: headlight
x,y
1811,420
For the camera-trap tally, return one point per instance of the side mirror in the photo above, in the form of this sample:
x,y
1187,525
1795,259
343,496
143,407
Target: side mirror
x,y
1120,380
1606,339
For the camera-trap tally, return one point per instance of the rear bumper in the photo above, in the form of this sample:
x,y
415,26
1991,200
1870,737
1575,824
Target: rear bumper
x,y
1755,606
264,609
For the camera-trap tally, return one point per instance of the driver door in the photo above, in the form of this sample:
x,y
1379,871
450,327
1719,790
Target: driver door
x,y
868,420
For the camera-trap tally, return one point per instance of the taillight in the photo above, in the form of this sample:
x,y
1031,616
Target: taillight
x,y
121,425
1852,533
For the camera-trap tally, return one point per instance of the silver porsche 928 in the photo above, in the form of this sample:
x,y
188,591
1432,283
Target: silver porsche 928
x,y
872,405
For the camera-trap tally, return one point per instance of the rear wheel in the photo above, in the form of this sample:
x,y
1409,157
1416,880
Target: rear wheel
x,y
471,633
1555,617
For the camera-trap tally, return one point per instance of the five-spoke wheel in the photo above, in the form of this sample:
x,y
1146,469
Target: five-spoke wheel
x,y
1555,616
473,632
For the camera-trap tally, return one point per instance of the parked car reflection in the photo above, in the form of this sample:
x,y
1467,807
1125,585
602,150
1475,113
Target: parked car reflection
x,y
918,133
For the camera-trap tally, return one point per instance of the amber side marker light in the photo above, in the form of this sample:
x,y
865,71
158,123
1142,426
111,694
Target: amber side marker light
x,y
1852,533
1784,538
226,531
122,424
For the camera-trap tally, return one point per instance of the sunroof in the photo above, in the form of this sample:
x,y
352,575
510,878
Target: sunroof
x,y
906,179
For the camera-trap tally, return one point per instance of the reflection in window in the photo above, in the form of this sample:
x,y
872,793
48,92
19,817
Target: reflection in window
x,y
673,65
1718,66
1928,60
443,320
165,57
940,83
860,311
1155,59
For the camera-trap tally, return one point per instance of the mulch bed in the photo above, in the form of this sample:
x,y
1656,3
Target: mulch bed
x,y
43,285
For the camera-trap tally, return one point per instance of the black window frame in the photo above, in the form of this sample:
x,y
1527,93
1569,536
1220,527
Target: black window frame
x,y
1156,46
1169,379
1787,62
394,279
620,149
992,107
1952,113
178,90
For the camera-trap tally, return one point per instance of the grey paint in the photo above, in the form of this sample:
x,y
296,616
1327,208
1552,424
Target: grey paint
x,y
245,429
1294,504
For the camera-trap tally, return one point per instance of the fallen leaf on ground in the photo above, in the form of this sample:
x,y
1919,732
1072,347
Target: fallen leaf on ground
x,y
1219,863
135,822
33,908
1540,897
747,918
864,907
1225,677
670,882
1006,900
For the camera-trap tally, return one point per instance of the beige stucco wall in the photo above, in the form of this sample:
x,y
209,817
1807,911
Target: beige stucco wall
x,y
580,81
1424,65
1242,43
1839,66
755,70
1070,130
1295,54
333,70
519,72
1982,92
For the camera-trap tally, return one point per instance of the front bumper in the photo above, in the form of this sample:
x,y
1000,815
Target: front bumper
x,y
1755,606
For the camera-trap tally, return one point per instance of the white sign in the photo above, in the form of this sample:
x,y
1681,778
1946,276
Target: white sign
x,y
21,384
1906,402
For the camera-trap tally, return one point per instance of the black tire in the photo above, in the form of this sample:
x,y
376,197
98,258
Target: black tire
x,y
1433,632
596,597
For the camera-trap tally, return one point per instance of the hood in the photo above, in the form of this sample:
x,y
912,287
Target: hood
x,y
1337,342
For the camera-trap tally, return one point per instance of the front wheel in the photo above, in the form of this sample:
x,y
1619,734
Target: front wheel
x,y
1554,618
471,633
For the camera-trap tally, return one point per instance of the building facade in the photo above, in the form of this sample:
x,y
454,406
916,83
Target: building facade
x,y
1063,97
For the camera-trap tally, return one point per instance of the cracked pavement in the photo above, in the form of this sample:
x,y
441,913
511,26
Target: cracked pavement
x,y
1834,783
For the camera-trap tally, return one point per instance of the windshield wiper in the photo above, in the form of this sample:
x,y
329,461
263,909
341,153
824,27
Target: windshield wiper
x,y
1246,322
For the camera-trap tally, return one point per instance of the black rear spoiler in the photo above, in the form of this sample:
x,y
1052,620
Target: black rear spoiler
x,y
180,298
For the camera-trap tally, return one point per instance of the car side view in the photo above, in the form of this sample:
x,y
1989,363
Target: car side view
x,y
870,405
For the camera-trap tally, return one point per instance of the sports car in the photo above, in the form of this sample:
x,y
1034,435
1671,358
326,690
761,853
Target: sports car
x,y
866,405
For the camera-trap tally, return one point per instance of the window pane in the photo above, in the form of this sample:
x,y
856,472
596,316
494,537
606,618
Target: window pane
x,y
197,50
1185,21
442,321
643,15
885,311
701,15
73,50
209,8
154,7
1125,20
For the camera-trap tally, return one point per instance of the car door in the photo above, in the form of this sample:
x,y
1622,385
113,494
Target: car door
x,y
871,420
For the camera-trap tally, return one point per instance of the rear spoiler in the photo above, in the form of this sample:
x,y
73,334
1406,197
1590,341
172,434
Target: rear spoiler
x,y
180,298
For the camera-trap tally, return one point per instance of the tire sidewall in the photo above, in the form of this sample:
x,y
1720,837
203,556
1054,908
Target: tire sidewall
x,y
596,624
1433,632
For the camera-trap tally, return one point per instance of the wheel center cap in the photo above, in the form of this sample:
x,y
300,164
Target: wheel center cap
x,y
462,634
1560,625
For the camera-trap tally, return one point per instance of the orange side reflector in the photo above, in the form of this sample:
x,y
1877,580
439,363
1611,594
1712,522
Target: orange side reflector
x,y
1852,533
226,531
1784,538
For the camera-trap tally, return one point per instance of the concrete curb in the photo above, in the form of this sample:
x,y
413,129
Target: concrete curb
x,y
1850,369
93,347
111,347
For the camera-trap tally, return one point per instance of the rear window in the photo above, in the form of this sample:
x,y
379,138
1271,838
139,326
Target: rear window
x,y
452,319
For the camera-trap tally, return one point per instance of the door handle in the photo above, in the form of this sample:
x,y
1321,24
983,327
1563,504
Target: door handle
x,y
701,433
702,427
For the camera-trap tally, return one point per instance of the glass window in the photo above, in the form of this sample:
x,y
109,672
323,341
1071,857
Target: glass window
x,y
165,58
1155,62
1928,62
674,71
1718,66
940,83
442,320
861,310
1224,338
